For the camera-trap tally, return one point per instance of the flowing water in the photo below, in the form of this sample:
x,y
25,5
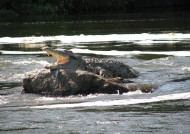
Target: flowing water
x,y
157,44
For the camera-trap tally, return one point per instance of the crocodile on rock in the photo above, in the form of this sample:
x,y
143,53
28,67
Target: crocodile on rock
x,y
72,75
107,68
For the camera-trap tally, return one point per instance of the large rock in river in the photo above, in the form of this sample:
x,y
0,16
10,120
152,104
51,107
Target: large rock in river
x,y
73,82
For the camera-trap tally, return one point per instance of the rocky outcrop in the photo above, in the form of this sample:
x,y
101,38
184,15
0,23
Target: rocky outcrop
x,y
73,82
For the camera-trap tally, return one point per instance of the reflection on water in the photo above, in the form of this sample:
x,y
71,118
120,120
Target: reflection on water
x,y
155,44
96,24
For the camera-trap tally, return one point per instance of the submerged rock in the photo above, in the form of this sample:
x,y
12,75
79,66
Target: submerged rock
x,y
73,82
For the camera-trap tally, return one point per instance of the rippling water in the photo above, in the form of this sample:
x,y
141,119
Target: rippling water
x,y
159,51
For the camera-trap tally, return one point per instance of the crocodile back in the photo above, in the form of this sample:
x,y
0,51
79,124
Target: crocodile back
x,y
113,68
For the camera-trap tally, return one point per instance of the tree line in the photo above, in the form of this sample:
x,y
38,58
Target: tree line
x,y
33,7
61,6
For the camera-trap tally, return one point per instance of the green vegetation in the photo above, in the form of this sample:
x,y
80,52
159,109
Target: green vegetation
x,y
33,7
61,6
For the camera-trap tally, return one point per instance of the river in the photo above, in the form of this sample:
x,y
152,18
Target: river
x,y
156,43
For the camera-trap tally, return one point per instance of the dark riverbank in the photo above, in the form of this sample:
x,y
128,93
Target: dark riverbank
x,y
136,4
40,7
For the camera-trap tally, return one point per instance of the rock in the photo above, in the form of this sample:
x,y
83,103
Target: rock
x,y
72,82
68,82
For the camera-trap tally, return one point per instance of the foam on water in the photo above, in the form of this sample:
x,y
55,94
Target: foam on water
x,y
121,53
108,53
144,39
2,100
21,52
141,38
24,62
178,96
69,98
31,62
185,68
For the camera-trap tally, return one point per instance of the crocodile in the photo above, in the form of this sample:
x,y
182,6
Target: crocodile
x,y
66,59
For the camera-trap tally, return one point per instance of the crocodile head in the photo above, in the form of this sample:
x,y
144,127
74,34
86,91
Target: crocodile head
x,y
61,56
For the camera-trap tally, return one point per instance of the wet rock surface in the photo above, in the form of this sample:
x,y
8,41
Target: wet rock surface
x,y
73,82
